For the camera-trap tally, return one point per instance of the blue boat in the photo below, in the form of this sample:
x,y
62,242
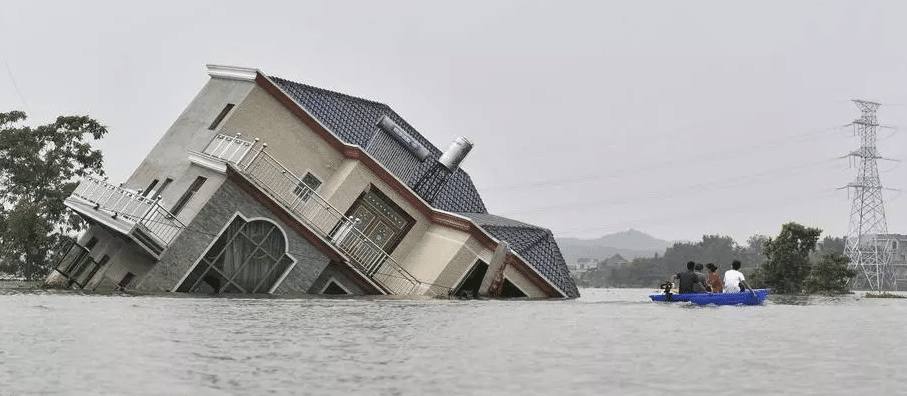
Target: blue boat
x,y
748,297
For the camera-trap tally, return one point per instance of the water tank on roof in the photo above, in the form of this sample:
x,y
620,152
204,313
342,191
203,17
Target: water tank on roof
x,y
411,144
455,153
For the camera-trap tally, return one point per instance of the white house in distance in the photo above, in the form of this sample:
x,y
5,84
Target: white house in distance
x,y
264,185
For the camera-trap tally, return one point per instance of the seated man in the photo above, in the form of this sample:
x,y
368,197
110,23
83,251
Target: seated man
x,y
703,285
690,282
733,279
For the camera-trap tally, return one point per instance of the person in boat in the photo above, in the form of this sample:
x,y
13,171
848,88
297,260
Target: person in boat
x,y
714,280
690,282
703,280
734,281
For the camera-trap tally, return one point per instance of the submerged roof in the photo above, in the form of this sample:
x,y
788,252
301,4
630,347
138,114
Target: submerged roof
x,y
534,244
355,121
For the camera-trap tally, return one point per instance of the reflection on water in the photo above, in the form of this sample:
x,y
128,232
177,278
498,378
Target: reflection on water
x,y
610,341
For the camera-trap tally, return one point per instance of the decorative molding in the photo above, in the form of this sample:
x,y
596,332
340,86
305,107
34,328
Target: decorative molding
x,y
339,284
208,162
232,72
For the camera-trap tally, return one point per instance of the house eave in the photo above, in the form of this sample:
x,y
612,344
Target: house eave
x,y
232,72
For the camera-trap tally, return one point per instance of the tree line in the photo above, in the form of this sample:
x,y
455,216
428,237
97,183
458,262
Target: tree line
x,y
794,261
39,167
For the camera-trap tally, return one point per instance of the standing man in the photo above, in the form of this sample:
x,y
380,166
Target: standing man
x,y
733,279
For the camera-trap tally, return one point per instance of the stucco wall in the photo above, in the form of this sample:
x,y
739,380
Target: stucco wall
x,y
169,157
228,200
289,140
301,150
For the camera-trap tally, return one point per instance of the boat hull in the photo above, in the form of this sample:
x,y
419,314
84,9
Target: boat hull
x,y
748,297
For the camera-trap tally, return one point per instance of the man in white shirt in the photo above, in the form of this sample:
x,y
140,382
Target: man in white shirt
x,y
733,278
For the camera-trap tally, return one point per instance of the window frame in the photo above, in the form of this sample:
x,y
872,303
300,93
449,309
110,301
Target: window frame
x,y
202,258
305,190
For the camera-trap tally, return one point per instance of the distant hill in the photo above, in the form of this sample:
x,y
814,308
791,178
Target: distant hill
x,y
629,244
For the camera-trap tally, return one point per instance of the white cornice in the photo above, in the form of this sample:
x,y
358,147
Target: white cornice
x,y
232,72
206,161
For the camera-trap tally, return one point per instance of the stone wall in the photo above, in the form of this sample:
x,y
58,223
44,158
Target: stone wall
x,y
227,201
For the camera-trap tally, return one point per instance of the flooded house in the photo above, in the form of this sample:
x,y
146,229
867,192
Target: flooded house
x,y
265,185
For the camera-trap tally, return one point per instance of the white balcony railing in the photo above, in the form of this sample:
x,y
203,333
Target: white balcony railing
x,y
322,217
229,148
131,207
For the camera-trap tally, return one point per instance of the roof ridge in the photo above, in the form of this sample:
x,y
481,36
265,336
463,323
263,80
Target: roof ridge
x,y
334,93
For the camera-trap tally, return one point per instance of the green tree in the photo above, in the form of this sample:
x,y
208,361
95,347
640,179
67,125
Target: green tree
x,y
787,265
39,168
829,275
828,245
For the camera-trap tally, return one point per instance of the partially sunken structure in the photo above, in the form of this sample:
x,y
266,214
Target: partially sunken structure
x,y
264,185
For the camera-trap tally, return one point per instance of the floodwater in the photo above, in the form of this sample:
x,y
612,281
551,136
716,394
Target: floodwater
x,y
610,341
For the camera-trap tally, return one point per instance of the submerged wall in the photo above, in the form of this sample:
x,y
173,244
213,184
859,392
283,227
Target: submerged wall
x,y
195,240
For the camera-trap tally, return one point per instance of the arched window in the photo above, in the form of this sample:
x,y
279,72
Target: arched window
x,y
247,257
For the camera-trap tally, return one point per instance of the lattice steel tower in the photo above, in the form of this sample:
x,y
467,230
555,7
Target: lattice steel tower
x,y
866,243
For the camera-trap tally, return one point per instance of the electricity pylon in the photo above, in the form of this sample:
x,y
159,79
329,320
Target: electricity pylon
x,y
866,245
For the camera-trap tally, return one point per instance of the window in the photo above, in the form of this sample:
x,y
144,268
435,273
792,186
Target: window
x,y
247,257
160,190
124,283
150,187
307,186
196,185
509,290
333,287
469,287
221,116
91,243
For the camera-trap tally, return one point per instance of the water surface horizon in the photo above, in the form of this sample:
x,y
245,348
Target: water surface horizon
x,y
609,341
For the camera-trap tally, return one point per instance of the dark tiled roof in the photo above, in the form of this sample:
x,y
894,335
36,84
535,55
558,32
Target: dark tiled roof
x,y
532,243
354,120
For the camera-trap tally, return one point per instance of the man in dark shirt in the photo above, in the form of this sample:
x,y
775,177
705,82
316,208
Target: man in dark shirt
x,y
690,282
702,285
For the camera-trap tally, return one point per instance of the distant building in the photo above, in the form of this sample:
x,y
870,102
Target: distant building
x,y
898,258
615,261
584,264
264,185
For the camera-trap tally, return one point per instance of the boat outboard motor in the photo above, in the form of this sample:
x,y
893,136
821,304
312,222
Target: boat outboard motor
x,y
667,286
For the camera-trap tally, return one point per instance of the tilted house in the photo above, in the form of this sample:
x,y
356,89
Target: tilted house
x,y
264,185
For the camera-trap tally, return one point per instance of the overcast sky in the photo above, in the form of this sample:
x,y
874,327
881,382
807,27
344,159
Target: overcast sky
x,y
675,118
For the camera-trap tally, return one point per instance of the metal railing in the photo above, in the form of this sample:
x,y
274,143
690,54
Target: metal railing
x,y
322,217
126,203
77,266
229,148
132,207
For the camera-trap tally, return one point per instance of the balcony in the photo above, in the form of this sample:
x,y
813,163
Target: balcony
x,y
126,211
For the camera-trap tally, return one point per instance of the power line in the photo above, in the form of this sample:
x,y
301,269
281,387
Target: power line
x,y
683,214
697,158
723,184
16,87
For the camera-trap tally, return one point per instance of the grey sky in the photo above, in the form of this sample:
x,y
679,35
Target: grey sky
x,y
676,118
